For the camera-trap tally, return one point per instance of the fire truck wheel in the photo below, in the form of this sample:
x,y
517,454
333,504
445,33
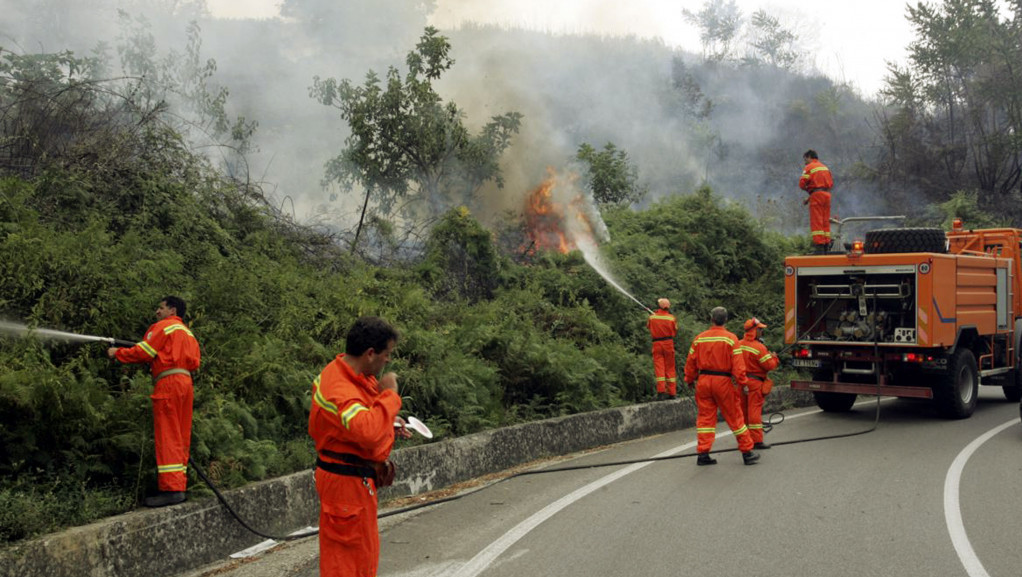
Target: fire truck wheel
x,y
1012,393
955,396
834,402
891,240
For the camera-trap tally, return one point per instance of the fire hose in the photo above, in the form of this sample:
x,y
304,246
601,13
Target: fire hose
x,y
768,426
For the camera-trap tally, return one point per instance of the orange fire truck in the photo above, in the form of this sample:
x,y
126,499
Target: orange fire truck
x,y
909,312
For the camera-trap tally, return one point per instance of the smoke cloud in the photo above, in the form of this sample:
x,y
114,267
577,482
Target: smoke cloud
x,y
571,88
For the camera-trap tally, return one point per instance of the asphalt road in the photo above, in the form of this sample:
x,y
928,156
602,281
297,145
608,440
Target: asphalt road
x,y
918,496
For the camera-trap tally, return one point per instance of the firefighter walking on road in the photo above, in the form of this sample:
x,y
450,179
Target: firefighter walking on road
x,y
758,362
817,181
714,365
662,328
172,353
352,422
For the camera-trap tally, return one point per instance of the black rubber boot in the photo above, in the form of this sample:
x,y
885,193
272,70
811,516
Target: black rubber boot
x,y
164,498
705,459
761,446
750,458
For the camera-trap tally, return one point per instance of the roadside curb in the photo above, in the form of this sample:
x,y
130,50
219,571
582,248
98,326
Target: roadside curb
x,y
180,538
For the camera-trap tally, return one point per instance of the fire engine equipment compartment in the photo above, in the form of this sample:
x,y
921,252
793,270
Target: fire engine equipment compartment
x,y
905,321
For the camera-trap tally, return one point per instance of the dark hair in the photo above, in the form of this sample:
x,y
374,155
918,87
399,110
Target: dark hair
x,y
719,316
811,154
369,333
176,303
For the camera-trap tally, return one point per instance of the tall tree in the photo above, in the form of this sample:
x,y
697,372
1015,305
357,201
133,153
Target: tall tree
x,y
185,83
719,25
406,141
957,106
612,178
772,43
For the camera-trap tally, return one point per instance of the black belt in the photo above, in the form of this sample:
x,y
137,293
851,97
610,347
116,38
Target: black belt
x,y
663,339
717,373
350,461
756,377
343,469
348,458
812,190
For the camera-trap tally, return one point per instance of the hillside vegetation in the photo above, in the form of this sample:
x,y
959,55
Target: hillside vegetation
x,y
116,193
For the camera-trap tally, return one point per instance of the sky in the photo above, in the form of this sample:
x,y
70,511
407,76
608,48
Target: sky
x,y
851,41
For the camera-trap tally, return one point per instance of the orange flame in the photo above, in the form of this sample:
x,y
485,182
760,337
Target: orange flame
x,y
556,215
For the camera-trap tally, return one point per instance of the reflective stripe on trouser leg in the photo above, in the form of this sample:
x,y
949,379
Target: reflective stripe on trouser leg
x,y
727,399
664,367
706,418
755,415
752,410
172,426
819,217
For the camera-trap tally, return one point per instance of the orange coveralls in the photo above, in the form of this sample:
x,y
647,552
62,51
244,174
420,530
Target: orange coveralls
x,y
662,328
349,415
169,347
713,359
758,362
817,181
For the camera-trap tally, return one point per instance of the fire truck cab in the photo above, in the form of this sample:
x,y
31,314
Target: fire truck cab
x,y
909,312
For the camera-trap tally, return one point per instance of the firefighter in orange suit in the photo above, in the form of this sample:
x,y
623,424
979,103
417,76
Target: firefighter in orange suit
x,y
715,362
817,181
172,353
662,328
352,422
758,362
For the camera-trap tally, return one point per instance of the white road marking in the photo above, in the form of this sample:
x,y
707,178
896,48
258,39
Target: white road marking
x,y
484,558
952,506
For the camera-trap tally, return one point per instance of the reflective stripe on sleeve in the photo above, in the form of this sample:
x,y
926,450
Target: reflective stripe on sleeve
x,y
350,413
175,328
149,350
320,400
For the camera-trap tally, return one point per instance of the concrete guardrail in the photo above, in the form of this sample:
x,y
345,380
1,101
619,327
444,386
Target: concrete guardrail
x,y
173,540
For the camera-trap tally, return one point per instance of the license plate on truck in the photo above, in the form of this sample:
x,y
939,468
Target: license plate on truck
x,y
807,363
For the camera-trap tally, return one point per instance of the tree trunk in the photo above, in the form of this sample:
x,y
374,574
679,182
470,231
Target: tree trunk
x,y
361,220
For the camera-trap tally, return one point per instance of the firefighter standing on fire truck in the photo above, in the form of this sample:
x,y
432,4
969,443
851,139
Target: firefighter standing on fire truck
x,y
662,328
352,422
758,362
817,181
172,353
715,359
